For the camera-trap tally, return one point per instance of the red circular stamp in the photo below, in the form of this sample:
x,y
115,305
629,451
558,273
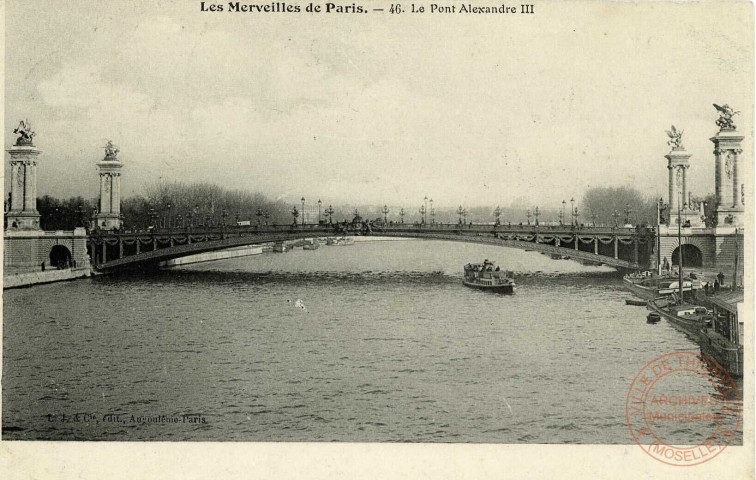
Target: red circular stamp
x,y
683,408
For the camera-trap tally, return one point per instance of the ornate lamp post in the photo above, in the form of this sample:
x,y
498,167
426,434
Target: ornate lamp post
x,y
615,215
460,211
401,214
153,217
628,210
295,214
266,216
259,214
425,204
561,215
190,216
180,220
572,208
224,214
432,212
536,214
319,205
464,215
80,215
422,213
329,213
528,215
385,213
577,215
303,210
169,215
497,214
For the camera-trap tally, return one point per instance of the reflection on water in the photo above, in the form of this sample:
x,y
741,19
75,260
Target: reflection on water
x,y
390,347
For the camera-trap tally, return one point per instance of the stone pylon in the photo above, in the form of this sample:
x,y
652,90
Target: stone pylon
x,y
22,209
728,178
109,212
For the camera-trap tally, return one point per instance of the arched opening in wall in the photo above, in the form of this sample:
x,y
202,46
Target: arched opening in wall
x,y
60,257
692,256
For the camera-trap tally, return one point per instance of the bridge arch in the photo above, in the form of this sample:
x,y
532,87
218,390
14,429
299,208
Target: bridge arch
x,y
622,248
60,256
692,256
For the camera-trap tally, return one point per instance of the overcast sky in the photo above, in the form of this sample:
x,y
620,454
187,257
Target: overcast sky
x,y
376,108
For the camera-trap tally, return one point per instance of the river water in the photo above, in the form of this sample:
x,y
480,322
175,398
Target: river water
x,y
389,346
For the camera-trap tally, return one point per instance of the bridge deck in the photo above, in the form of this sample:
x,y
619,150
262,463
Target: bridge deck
x,y
174,243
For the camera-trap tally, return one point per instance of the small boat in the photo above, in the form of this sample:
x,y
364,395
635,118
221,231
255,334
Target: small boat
x,y
487,276
339,241
311,244
637,303
653,317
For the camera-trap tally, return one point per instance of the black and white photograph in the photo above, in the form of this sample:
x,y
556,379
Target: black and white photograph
x,y
513,235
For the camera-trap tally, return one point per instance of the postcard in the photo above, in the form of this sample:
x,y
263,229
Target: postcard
x,y
303,239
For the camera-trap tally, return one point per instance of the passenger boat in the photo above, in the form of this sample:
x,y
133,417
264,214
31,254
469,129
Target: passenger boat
x,y
687,317
487,276
311,244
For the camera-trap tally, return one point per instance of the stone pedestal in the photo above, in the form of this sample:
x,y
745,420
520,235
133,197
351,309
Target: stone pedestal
x,y
727,151
109,212
22,212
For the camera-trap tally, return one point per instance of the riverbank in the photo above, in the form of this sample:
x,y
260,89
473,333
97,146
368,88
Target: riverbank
x,y
28,279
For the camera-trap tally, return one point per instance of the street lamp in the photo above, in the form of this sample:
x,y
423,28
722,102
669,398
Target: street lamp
x,y
303,210
528,215
615,215
536,214
628,210
259,214
497,214
401,214
561,216
295,214
319,205
329,213
153,217
169,214
572,208
80,214
385,213
460,211
432,212
425,200
576,214
422,213
266,216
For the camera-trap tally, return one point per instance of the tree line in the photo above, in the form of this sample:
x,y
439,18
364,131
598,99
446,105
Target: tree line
x,y
203,203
